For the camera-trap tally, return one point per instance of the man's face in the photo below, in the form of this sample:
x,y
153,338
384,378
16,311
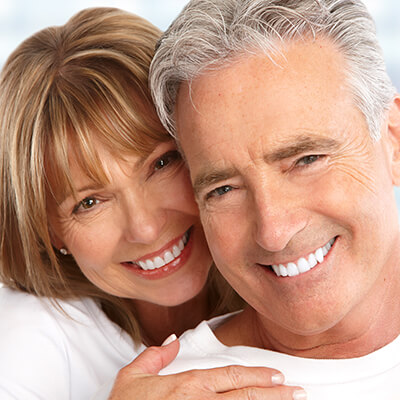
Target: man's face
x,y
286,175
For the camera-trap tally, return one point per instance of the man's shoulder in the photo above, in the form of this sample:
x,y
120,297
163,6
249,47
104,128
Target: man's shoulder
x,y
201,349
364,377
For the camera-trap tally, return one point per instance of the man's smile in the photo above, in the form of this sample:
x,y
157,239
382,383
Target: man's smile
x,y
303,264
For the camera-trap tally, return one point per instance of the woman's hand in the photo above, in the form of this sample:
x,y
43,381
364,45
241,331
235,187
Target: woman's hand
x,y
138,381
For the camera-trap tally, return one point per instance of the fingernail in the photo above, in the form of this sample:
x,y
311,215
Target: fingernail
x,y
299,395
169,339
277,379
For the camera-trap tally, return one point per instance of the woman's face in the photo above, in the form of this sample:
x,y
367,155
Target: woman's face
x,y
139,236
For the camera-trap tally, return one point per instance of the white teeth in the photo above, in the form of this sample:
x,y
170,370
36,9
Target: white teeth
x,y
149,264
276,269
158,262
292,269
283,270
303,264
312,261
175,251
319,255
167,257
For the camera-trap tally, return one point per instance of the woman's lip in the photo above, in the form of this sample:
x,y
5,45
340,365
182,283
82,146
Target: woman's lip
x,y
167,269
161,251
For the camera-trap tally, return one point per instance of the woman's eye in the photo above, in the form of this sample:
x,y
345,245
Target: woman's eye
x,y
166,159
307,160
86,204
219,191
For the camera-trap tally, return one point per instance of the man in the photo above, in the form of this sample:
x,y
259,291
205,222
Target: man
x,y
290,127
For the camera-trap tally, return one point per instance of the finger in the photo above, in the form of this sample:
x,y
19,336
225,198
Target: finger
x,y
273,393
153,359
238,377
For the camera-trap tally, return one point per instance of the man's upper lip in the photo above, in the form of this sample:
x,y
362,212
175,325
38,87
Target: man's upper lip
x,y
294,259
159,252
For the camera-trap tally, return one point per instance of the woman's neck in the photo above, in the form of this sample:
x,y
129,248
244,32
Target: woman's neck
x,y
158,322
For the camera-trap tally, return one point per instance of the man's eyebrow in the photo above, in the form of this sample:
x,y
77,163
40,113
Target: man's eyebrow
x,y
209,177
302,144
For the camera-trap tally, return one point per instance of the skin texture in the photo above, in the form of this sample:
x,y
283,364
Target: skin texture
x,y
282,162
146,204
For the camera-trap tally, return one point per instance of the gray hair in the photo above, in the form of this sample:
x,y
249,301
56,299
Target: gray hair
x,y
209,34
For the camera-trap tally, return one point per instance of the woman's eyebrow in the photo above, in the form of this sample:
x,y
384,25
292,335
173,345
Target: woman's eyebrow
x,y
87,187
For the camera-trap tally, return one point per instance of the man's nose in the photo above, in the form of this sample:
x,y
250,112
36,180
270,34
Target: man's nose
x,y
278,218
144,221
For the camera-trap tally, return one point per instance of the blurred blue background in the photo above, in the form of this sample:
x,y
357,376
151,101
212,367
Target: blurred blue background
x,y
21,18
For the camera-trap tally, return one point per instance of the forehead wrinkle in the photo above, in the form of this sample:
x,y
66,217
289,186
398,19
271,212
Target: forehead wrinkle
x,y
211,176
301,144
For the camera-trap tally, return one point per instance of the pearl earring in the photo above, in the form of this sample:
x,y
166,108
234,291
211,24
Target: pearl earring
x,y
63,251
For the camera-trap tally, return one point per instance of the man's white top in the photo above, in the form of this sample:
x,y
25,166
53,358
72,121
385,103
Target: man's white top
x,y
372,377
46,355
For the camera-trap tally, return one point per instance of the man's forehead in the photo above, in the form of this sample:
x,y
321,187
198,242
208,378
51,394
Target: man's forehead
x,y
307,56
273,110
315,65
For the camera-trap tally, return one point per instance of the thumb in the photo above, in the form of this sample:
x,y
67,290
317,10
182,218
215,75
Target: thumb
x,y
155,358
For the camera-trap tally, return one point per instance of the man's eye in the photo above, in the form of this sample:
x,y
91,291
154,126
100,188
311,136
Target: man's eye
x,y
219,191
166,159
86,204
307,160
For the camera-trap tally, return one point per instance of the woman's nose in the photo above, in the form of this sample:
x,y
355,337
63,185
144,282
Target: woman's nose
x,y
145,220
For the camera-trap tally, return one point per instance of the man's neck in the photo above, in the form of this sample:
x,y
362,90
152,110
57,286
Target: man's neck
x,y
370,326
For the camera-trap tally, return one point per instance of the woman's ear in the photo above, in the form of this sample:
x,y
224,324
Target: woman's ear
x,y
394,137
55,240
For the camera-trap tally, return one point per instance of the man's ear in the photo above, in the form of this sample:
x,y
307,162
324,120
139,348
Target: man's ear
x,y
394,137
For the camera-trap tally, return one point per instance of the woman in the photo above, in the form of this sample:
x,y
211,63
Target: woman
x,y
102,252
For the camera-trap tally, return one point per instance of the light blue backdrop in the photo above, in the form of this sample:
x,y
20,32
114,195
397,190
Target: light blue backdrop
x,y
21,18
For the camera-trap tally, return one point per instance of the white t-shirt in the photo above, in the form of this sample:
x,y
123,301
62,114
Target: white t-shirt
x,y
46,355
371,377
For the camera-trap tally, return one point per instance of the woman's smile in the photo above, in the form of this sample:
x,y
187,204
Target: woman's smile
x,y
171,258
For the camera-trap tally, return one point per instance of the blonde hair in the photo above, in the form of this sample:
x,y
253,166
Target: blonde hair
x,y
56,88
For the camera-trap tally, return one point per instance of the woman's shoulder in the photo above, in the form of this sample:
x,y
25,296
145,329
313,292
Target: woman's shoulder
x,y
17,307
26,314
74,343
